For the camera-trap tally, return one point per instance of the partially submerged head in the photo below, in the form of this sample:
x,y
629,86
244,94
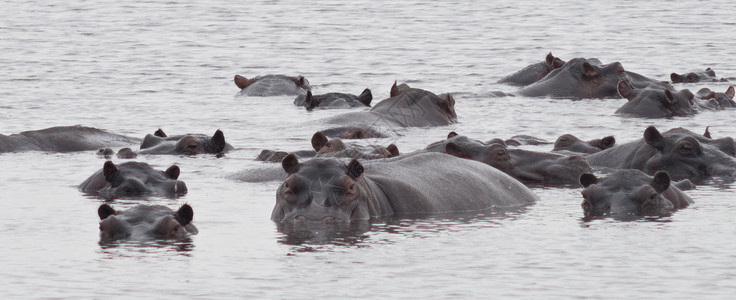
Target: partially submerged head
x,y
626,193
146,222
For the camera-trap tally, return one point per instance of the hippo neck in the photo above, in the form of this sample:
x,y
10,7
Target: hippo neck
x,y
377,202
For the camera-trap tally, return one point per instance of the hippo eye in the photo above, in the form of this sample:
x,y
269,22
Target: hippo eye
x,y
685,150
692,77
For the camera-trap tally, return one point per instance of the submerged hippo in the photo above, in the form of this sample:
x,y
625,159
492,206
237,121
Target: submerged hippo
x,y
334,100
569,142
63,139
144,222
655,102
328,191
407,107
579,78
722,100
272,85
133,179
678,151
534,72
188,144
692,77
324,147
524,165
631,192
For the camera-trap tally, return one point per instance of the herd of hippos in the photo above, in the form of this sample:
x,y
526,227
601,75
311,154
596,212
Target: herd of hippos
x,y
340,182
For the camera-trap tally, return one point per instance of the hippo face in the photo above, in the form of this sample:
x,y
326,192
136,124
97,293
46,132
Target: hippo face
x,y
337,148
684,157
579,78
272,85
493,154
655,102
334,100
190,144
722,100
692,77
320,191
146,222
134,179
417,107
569,142
625,192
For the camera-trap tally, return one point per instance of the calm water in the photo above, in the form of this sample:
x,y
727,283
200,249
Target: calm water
x,y
134,67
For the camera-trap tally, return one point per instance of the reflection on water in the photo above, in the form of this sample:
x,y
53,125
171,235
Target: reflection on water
x,y
117,247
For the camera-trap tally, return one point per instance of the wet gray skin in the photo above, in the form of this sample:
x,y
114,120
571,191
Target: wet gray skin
x,y
529,167
579,78
631,193
655,102
407,107
63,139
189,144
324,147
133,179
144,222
124,153
334,100
272,85
722,100
677,151
321,191
705,76
522,139
534,72
639,81
569,142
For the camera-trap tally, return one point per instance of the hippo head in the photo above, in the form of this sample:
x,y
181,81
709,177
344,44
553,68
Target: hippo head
x,y
436,108
320,191
552,63
146,222
597,80
136,178
625,192
322,145
723,100
569,142
692,77
336,147
684,157
654,101
493,154
299,81
189,144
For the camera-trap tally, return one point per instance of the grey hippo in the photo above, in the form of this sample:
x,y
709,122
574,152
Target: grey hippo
x,y
534,72
720,100
322,191
334,100
579,78
272,85
187,144
571,143
63,139
655,102
325,147
133,179
699,76
144,222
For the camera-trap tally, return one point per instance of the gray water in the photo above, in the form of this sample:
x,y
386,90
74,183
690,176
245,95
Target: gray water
x,y
132,67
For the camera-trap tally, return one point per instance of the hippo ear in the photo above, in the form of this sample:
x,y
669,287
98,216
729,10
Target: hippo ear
x,y
105,211
452,134
607,142
365,97
625,90
319,140
558,63
669,98
354,169
109,170
242,82
661,181
707,132
302,82
290,164
394,90
676,78
184,215
160,133
654,138
455,150
730,92
711,95
218,139
450,100
173,172
310,102
710,72
549,60
589,70
393,150
587,179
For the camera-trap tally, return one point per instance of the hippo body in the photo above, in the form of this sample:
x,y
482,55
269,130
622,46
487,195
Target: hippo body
x,y
631,193
133,179
63,139
570,143
692,77
639,81
144,222
189,144
579,78
533,72
272,85
655,102
334,100
328,190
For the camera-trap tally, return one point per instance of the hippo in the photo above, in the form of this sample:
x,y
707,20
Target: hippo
x,y
631,193
189,144
639,81
654,102
707,76
272,85
334,100
124,153
722,100
63,139
570,143
534,72
529,167
327,190
278,156
522,139
354,133
579,78
407,107
144,222
134,179
324,147
677,151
